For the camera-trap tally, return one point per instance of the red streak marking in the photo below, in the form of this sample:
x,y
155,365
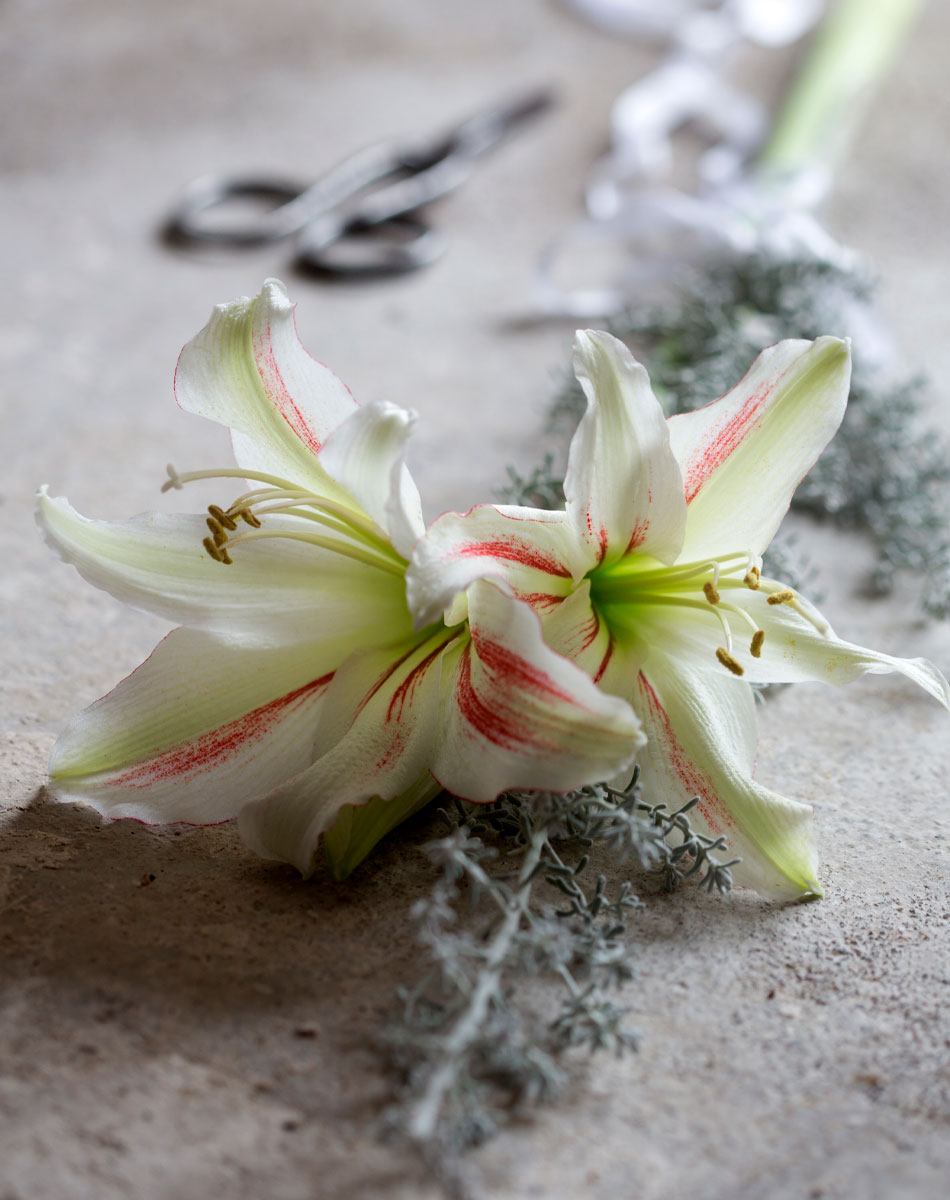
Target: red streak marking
x,y
278,393
514,550
580,638
541,600
589,632
496,722
218,745
516,673
404,693
694,782
381,680
638,535
399,737
598,535
605,661
722,441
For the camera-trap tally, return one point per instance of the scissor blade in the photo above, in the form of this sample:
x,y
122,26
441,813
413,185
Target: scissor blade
x,y
479,133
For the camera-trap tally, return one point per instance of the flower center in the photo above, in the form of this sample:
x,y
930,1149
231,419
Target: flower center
x,y
306,517
702,586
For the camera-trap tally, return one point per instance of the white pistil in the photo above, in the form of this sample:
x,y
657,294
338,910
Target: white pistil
x,y
175,480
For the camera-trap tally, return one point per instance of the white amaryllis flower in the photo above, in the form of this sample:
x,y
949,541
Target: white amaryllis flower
x,y
651,579
296,684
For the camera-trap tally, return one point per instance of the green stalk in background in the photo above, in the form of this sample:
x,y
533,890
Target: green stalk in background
x,y
852,53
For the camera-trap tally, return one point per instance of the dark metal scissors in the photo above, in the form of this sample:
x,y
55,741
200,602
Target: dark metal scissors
x,y
362,218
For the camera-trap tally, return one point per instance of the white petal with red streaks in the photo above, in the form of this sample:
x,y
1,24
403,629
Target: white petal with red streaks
x,y
275,590
376,737
367,454
743,456
535,552
700,729
517,715
623,485
195,731
247,369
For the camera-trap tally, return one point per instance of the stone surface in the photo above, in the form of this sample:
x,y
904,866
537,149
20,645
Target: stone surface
x,y
209,1030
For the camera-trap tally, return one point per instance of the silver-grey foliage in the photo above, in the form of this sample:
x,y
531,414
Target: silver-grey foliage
x,y
472,1042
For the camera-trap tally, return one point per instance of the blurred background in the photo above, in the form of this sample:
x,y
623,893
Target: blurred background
x,y
111,108
196,1080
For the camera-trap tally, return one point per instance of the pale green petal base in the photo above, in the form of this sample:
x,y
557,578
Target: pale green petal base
x,y
359,829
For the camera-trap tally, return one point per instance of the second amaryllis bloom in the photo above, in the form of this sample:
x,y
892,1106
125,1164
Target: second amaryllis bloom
x,y
651,579
296,686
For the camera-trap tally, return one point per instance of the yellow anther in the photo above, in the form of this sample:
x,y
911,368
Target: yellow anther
x,y
711,592
751,578
757,639
785,596
729,662
218,553
222,517
246,515
220,535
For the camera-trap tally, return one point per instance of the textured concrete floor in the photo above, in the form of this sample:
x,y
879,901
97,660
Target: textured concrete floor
x,y
209,1033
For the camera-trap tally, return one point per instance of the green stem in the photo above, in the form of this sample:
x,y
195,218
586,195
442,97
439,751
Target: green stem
x,y
852,53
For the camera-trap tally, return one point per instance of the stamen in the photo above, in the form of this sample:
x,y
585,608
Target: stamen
x,y
752,578
217,531
725,628
741,614
341,516
218,553
347,549
729,662
680,571
782,596
371,544
710,592
757,639
222,517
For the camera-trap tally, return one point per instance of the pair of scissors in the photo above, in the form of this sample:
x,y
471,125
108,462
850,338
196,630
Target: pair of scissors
x,y
363,217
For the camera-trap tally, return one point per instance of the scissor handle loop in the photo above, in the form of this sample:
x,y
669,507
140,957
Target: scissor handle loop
x,y
196,217
355,249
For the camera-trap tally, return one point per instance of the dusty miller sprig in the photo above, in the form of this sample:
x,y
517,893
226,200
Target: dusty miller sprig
x,y
467,1045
